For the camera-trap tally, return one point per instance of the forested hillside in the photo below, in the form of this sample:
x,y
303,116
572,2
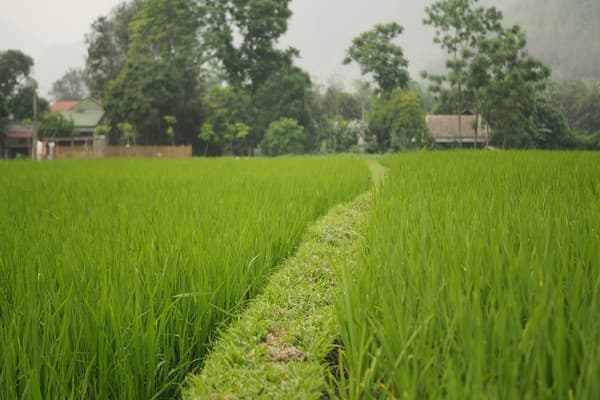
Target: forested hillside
x,y
562,33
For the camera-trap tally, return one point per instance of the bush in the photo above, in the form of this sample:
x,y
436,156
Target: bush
x,y
284,136
57,125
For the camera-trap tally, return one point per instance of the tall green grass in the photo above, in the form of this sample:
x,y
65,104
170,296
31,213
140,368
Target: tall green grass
x,y
115,275
480,280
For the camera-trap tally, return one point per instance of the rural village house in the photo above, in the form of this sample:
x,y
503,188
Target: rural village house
x,y
86,114
18,141
444,130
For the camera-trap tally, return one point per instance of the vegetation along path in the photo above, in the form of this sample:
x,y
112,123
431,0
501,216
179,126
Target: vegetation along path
x,y
279,348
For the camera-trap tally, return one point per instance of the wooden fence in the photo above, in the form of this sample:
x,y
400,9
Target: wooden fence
x,y
64,151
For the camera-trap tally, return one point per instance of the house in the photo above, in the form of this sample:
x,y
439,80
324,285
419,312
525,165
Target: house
x,y
18,140
444,130
86,114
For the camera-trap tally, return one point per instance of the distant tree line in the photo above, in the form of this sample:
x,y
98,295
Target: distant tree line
x,y
491,74
210,73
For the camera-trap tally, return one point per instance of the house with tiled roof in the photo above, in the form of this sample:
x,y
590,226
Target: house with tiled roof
x,y
444,130
86,114
17,141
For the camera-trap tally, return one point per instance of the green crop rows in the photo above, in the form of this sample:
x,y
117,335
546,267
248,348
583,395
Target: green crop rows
x,y
115,275
479,275
480,280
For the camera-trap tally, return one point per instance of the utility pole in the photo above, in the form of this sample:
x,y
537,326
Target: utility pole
x,y
363,139
35,122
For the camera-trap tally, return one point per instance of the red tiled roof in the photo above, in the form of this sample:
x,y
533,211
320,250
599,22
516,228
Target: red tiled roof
x,y
62,105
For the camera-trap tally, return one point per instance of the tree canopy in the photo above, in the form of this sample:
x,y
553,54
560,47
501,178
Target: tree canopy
x,y
71,86
376,54
160,75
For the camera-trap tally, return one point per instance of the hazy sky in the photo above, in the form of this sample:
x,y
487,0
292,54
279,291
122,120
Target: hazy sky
x,y
52,32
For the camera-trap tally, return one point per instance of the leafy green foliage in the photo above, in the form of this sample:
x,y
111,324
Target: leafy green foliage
x,y
579,101
127,131
160,75
254,64
107,46
377,55
460,28
15,67
550,128
284,136
285,94
170,120
227,111
21,103
515,80
338,117
398,122
56,125
17,88
102,130
260,24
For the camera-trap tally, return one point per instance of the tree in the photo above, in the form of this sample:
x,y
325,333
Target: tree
x,y
398,122
227,111
56,125
160,76
102,130
21,103
580,103
243,36
514,82
170,120
107,45
377,55
127,132
459,27
285,94
17,89
550,128
3,115
71,86
338,116
260,24
15,67
284,136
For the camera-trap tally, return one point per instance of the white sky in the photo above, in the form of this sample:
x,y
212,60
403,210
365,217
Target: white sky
x,y
55,21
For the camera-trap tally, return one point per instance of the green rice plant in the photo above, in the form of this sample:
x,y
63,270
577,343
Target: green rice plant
x,y
115,275
480,279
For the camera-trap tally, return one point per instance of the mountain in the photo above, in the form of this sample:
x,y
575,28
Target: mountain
x,y
562,33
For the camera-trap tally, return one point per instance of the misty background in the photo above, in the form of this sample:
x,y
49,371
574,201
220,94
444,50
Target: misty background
x,y
562,33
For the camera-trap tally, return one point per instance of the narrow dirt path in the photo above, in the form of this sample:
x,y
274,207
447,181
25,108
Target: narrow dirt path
x,y
277,348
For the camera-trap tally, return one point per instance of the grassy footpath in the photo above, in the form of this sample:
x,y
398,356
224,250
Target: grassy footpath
x,y
278,349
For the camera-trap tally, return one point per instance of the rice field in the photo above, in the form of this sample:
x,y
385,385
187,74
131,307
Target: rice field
x,y
116,275
480,279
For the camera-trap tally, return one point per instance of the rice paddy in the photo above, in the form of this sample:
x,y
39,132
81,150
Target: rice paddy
x,y
478,274
116,275
480,279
